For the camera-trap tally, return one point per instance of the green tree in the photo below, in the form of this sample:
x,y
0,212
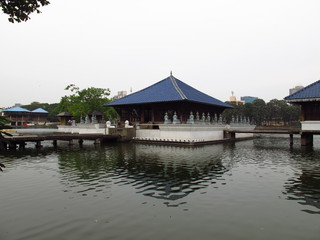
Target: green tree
x,y
293,115
85,101
274,112
3,122
278,111
19,10
247,110
258,111
237,111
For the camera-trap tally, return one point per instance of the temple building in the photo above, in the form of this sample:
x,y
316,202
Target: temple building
x,y
167,112
39,115
17,115
21,116
309,100
169,99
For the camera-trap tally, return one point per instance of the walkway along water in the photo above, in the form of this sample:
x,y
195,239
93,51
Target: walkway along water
x,y
14,141
125,134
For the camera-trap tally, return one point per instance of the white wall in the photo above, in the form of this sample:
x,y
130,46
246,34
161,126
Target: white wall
x,y
310,125
84,129
190,132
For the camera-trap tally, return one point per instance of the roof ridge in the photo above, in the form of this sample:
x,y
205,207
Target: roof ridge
x,y
302,89
174,83
141,90
18,108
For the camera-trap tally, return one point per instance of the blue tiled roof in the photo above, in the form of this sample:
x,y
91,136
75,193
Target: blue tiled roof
x,y
39,110
168,90
309,93
16,109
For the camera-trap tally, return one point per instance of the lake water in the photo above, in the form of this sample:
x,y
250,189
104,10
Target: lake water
x,y
257,189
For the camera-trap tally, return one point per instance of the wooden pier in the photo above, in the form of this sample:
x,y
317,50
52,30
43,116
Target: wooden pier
x,y
306,136
14,142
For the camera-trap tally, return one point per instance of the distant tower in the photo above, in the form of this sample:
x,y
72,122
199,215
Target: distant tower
x,y
233,98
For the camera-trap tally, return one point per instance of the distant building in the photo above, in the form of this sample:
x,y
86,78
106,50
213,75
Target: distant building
x,y
120,94
233,99
295,89
248,99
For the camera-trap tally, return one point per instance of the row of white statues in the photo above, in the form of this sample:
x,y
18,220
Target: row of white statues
x,y
205,119
86,120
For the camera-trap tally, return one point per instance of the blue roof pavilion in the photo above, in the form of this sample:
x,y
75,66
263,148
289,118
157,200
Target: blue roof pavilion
x,y
21,116
167,96
17,115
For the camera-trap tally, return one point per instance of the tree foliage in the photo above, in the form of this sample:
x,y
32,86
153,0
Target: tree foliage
x,y
19,10
3,122
275,112
84,102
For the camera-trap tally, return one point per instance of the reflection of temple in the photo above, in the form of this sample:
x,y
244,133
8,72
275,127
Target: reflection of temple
x,y
163,172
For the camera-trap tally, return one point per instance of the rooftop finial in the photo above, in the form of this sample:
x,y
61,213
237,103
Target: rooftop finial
x,y
171,73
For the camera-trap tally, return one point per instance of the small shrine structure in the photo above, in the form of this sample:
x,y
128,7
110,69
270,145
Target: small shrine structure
x,y
64,118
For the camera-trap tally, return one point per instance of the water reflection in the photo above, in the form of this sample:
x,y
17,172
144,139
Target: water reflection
x,y
304,187
163,172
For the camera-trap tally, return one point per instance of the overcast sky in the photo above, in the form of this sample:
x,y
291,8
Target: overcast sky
x,y
251,47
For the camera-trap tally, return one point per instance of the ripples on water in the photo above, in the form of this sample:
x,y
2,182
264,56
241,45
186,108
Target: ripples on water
x,y
245,190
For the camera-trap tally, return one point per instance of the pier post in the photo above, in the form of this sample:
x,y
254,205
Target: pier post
x,y
229,135
80,142
38,144
232,135
291,139
306,139
3,145
12,145
55,143
22,145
